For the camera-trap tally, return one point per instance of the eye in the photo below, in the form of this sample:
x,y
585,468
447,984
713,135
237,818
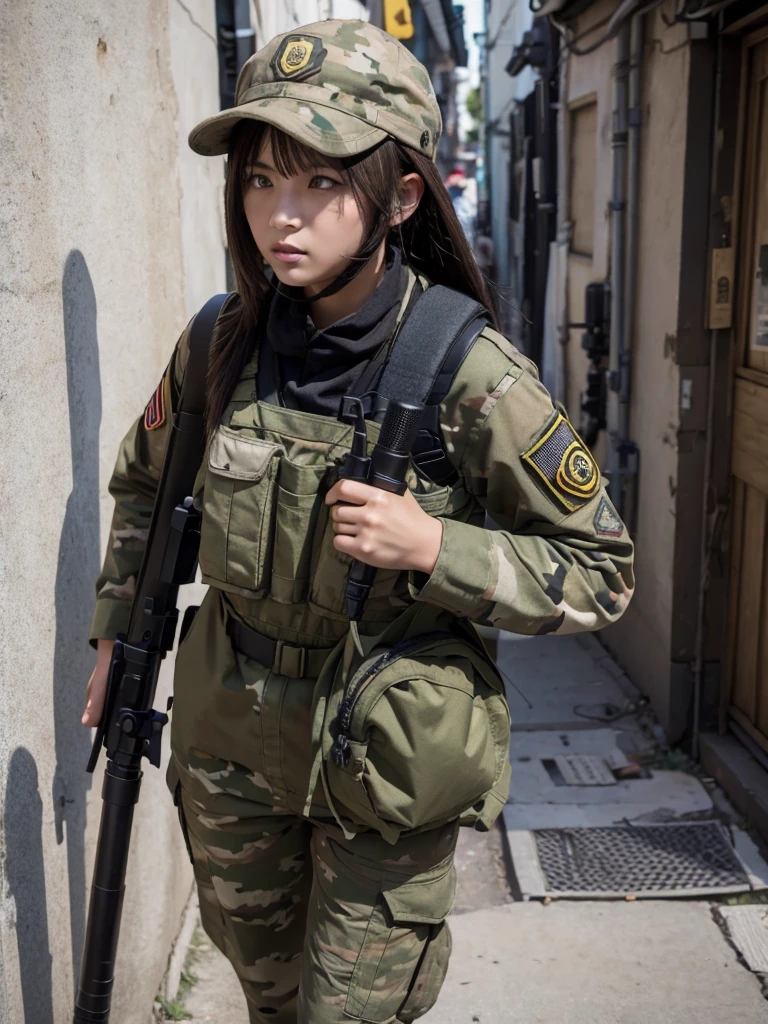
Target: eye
x,y
259,181
323,181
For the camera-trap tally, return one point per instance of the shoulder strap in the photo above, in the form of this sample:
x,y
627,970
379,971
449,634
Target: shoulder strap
x,y
192,399
428,351
431,345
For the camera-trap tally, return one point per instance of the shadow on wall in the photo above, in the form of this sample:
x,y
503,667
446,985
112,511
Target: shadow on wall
x,y
78,566
25,875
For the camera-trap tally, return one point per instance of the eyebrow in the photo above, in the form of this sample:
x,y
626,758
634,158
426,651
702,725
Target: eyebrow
x,y
260,165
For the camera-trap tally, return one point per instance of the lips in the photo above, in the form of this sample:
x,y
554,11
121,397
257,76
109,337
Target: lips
x,y
285,247
288,253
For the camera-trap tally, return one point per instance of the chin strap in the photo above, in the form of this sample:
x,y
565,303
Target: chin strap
x,y
350,272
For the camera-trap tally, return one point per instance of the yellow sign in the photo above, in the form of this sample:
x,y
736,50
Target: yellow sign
x,y
397,19
296,55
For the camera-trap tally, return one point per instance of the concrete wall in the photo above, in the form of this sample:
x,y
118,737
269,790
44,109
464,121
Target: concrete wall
x,y
642,639
111,236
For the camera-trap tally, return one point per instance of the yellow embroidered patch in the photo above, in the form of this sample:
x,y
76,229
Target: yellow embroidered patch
x,y
298,56
563,463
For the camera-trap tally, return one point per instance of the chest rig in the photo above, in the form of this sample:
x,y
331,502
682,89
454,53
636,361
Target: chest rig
x,y
267,539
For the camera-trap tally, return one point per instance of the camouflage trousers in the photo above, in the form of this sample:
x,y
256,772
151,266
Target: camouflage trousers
x,y
320,928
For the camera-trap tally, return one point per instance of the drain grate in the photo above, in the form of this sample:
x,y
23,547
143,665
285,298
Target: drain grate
x,y
692,858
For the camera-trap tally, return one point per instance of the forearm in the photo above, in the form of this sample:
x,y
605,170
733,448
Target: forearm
x,y
527,584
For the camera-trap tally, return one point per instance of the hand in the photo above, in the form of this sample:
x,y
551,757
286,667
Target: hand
x,y
389,531
97,684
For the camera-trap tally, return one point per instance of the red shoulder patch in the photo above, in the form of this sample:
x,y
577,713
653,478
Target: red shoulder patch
x,y
154,414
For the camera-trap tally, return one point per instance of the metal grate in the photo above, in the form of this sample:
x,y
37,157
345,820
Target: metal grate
x,y
627,859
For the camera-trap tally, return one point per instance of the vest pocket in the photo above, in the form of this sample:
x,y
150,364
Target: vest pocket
x,y
239,512
298,508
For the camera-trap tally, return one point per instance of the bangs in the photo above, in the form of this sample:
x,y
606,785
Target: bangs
x,y
290,156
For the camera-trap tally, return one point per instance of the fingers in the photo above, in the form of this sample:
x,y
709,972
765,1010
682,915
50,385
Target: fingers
x,y
94,698
354,492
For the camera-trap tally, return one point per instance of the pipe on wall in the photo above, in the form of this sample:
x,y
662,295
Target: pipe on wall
x,y
619,141
707,529
563,222
633,193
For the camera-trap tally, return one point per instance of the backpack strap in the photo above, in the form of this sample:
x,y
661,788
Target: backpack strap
x,y
442,320
196,370
435,338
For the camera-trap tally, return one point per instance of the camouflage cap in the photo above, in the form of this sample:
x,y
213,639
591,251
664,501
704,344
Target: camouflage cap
x,y
341,87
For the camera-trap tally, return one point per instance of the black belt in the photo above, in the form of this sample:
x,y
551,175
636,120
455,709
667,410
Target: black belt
x,y
285,659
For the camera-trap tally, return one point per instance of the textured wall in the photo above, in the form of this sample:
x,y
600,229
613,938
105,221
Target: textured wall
x,y
110,236
641,639
506,24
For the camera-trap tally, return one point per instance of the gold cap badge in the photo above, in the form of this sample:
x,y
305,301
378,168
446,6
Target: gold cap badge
x,y
298,56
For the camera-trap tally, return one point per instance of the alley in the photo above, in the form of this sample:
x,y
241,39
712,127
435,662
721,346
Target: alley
x,y
620,960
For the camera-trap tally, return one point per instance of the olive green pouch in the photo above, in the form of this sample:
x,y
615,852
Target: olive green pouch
x,y
414,732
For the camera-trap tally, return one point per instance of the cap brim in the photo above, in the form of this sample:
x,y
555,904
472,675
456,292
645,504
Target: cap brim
x,y
347,136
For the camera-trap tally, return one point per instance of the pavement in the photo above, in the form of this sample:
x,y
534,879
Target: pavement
x,y
546,960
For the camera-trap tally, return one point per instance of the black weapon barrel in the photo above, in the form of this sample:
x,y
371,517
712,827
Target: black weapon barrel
x,y
388,468
130,730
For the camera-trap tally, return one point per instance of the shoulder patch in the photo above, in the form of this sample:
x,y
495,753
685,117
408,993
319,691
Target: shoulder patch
x,y
606,521
561,461
154,414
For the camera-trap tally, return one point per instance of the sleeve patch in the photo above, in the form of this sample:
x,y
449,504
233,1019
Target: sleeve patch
x,y
606,521
561,461
154,414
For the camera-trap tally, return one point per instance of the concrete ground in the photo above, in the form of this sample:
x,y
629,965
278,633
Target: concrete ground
x,y
652,961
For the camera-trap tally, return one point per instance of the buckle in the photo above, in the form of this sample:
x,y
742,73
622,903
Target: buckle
x,y
290,660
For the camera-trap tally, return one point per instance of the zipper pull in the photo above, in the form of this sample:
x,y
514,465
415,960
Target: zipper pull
x,y
340,750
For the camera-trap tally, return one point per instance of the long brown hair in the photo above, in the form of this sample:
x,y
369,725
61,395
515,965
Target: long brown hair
x,y
432,240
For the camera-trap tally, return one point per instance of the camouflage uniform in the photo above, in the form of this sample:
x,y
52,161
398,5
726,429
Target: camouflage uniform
x,y
321,927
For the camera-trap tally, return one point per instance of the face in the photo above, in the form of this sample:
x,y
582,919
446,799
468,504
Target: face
x,y
304,226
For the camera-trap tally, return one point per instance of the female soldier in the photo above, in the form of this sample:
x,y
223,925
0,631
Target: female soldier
x,y
331,183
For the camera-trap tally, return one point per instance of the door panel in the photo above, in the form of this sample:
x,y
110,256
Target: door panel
x,y
747,691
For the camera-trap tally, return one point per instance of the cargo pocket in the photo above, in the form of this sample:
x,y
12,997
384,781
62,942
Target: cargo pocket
x,y
298,509
238,512
404,958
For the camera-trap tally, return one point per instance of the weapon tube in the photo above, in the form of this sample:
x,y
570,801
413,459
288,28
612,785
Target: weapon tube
x,y
130,729
388,468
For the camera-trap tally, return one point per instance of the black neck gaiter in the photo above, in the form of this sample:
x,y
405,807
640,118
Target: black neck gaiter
x,y
317,368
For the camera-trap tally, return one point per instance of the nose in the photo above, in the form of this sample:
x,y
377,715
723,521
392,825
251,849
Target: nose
x,y
285,212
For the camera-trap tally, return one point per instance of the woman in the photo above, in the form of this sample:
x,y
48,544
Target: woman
x,y
331,184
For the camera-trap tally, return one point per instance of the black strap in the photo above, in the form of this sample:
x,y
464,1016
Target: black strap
x,y
284,658
439,319
196,372
438,354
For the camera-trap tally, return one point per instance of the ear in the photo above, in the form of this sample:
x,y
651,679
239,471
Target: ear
x,y
411,191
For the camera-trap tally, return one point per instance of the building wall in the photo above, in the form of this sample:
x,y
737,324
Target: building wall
x,y
506,24
111,236
642,638
270,17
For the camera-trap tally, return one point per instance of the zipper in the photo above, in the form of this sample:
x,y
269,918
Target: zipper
x,y
340,748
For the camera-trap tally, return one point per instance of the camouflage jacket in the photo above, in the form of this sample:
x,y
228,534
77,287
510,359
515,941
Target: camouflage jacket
x,y
560,560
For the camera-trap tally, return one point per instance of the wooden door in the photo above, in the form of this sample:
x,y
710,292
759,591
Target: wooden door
x,y
747,690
